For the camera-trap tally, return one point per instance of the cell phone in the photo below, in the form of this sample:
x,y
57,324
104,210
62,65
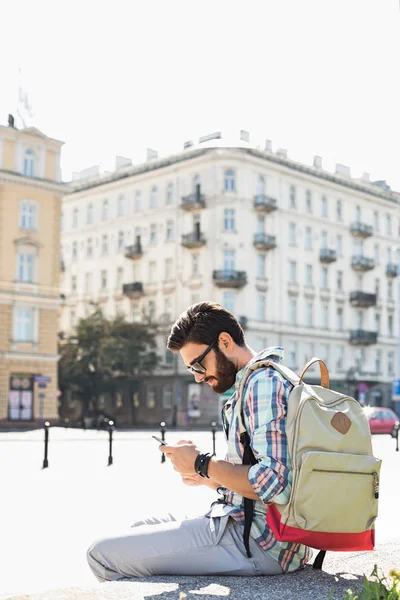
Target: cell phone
x,y
159,440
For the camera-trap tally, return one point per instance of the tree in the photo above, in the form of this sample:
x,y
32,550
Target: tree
x,y
103,355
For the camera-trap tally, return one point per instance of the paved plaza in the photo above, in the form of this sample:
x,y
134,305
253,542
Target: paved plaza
x,y
50,516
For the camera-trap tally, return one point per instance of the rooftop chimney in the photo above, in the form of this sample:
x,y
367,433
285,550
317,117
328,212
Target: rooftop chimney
x,y
317,162
282,152
11,121
268,146
244,135
150,154
121,161
342,170
365,177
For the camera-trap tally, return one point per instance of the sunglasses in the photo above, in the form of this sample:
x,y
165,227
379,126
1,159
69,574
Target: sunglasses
x,y
196,366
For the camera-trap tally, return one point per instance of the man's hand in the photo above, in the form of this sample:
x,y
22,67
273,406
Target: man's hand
x,y
182,456
192,479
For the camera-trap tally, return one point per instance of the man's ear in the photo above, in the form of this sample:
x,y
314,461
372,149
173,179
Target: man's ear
x,y
226,342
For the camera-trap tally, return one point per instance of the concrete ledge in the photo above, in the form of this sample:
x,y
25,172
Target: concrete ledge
x,y
341,570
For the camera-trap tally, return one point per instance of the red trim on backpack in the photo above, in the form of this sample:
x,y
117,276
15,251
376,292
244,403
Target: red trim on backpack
x,y
345,542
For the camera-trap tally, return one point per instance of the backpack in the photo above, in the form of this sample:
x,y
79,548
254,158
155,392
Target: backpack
x,y
335,487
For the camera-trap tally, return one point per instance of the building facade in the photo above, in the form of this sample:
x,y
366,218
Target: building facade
x,y
305,258
30,211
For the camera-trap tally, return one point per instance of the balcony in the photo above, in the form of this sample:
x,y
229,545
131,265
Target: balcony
x,y
264,204
133,290
362,263
362,300
194,201
229,278
327,256
361,230
392,270
134,252
194,239
262,241
360,337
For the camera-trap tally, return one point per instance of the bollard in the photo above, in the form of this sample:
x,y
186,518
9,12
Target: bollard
x,y
66,423
162,425
397,437
213,430
46,444
110,434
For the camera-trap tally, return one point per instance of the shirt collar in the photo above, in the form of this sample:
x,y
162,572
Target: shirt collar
x,y
274,353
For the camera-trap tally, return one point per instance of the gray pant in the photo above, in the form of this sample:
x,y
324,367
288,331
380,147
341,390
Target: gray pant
x,y
200,546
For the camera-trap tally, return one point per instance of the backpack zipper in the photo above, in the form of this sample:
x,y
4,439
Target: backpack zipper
x,y
374,475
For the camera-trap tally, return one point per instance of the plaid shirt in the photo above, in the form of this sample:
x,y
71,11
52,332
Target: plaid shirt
x,y
264,411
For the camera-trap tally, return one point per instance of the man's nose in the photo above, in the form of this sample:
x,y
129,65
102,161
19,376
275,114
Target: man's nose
x,y
199,377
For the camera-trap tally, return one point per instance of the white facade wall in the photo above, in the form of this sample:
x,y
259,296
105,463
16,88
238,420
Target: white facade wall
x,y
300,340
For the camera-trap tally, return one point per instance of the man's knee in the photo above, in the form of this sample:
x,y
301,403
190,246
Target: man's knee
x,y
97,559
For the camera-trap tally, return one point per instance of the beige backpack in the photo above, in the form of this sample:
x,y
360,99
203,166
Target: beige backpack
x,y
335,487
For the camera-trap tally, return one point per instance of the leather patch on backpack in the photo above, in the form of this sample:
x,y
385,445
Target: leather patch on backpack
x,y
341,422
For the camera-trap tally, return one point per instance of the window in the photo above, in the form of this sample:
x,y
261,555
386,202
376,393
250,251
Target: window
x,y
260,186
324,278
308,274
26,264
229,260
261,307
293,355
339,358
75,218
309,354
339,210
309,314
104,210
103,280
73,283
325,353
377,322
169,358
324,206
170,231
196,183
339,318
376,220
308,202
138,201
89,248
390,326
151,396
168,269
359,319
260,223
391,364
195,264
120,277
230,181
292,197
292,234
28,210
152,310
121,241
229,301
292,271
170,193
390,290
229,219
168,309
24,329
389,255
72,319
29,163
153,197
261,266
167,397
104,245
152,271
377,257
75,251
339,280
308,239
339,246
88,283
378,361
293,311
325,316
388,225
121,206
153,233
358,214
377,287
324,240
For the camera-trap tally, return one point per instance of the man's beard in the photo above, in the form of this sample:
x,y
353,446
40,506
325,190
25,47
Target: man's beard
x,y
225,372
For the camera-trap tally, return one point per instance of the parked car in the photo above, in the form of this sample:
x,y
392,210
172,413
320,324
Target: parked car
x,y
382,420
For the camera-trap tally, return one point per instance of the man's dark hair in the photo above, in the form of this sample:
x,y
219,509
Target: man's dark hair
x,y
202,323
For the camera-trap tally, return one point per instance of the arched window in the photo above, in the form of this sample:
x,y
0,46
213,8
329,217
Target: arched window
x,y
121,206
170,193
29,163
75,216
104,210
230,181
90,215
196,181
154,197
260,186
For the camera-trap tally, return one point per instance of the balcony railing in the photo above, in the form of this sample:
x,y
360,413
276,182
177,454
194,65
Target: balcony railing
x,y
392,270
193,240
362,263
230,278
194,201
264,204
326,255
360,337
362,299
134,251
133,290
262,241
361,230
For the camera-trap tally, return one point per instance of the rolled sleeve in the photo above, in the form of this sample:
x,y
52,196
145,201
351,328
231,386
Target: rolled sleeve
x,y
265,411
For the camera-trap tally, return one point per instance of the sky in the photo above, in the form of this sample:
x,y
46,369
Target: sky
x,y
317,77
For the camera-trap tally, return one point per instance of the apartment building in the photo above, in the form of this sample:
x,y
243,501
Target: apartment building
x,y
30,211
305,258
